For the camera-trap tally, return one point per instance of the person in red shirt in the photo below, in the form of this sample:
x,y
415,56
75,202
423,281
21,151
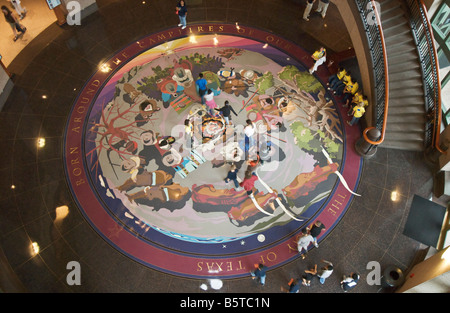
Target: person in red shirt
x,y
249,182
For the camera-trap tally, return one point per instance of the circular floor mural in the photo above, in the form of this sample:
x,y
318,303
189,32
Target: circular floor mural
x,y
159,195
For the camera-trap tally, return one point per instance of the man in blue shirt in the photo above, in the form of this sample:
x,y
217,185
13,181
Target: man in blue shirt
x,y
260,273
201,85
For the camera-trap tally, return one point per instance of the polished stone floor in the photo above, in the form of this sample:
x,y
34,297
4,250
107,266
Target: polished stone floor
x,y
57,65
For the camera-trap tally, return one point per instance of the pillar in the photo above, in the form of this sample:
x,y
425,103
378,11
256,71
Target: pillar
x,y
365,148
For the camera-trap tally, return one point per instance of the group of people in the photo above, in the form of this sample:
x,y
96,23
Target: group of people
x,y
13,18
343,84
309,236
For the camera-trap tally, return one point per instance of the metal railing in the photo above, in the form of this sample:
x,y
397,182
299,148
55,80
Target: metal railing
x,y
423,35
372,25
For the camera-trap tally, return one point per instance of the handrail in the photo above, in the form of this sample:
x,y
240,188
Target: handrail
x,y
437,126
422,29
386,79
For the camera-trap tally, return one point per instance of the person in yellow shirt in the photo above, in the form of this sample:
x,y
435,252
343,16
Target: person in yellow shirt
x,y
340,86
319,57
358,112
350,90
357,98
333,80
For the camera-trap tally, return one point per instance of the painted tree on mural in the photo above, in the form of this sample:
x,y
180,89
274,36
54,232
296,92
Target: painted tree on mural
x,y
264,82
299,81
319,114
304,139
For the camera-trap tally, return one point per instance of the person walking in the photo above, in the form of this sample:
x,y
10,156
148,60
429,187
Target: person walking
x,y
13,21
209,101
232,176
226,112
201,85
325,271
309,274
349,282
182,13
22,12
294,286
303,242
323,7
249,131
309,5
249,182
260,273
315,231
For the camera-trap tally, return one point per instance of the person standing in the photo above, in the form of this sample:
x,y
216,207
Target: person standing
x,y
182,13
319,57
18,7
358,112
226,112
260,273
325,271
323,7
201,85
309,5
210,103
13,21
249,131
303,242
315,231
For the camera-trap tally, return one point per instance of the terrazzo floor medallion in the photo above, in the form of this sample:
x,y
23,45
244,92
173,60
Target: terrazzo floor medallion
x,y
160,197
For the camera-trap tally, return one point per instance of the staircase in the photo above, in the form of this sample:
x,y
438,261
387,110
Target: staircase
x,y
405,128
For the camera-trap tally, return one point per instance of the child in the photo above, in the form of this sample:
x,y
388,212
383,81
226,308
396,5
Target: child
x,y
358,111
209,101
232,175
303,242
